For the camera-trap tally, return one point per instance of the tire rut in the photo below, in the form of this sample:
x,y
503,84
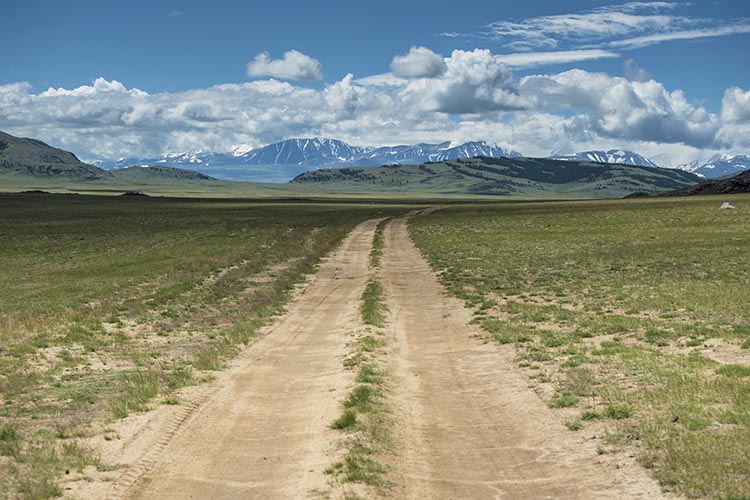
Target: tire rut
x,y
261,429
470,427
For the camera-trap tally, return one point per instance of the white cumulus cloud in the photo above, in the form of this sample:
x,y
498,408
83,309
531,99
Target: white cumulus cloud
x,y
419,62
294,65
735,106
618,108
476,97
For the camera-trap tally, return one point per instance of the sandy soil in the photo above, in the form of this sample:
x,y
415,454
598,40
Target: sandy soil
x,y
261,429
470,427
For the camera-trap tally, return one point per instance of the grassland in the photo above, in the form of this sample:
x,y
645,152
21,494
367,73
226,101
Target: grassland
x,y
108,305
631,317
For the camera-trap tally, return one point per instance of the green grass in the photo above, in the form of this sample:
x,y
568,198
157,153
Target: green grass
x,y
347,419
612,298
378,242
109,305
500,176
365,416
373,310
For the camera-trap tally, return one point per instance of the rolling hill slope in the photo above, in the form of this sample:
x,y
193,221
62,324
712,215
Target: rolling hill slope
x,y
736,184
536,177
19,156
159,173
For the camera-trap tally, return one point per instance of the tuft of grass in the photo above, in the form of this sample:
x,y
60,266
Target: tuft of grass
x,y
563,400
137,390
362,397
359,466
590,415
619,411
369,374
10,441
734,371
347,419
574,425
373,309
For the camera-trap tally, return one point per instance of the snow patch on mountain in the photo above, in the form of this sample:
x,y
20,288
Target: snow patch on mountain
x,y
617,156
718,165
322,152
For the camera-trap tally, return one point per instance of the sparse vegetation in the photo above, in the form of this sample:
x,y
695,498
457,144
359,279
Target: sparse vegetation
x,y
365,417
378,242
373,309
365,414
111,304
618,307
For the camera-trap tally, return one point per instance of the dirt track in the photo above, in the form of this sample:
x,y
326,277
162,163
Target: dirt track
x,y
467,424
470,426
262,431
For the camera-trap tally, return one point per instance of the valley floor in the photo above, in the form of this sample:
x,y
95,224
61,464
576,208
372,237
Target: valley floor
x,y
465,423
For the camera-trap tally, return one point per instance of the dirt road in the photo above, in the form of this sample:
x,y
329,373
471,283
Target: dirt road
x,y
467,425
264,432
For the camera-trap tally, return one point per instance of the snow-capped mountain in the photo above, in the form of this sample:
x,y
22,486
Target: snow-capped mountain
x,y
421,153
316,153
618,156
718,165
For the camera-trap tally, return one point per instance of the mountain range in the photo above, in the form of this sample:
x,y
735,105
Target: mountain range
x,y
318,153
281,161
28,163
299,155
718,166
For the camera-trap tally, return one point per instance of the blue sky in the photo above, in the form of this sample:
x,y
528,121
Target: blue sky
x,y
669,78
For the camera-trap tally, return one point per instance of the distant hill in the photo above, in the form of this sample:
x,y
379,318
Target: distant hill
x,y
503,176
618,156
159,173
738,183
718,166
20,156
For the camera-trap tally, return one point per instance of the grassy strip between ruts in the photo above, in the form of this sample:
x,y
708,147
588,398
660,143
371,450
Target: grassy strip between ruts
x,y
112,304
365,416
629,317
378,242
373,310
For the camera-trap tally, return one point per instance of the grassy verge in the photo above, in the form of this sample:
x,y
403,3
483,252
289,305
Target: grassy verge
x,y
109,305
628,317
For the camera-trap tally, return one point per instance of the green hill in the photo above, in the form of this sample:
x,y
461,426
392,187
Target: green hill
x,y
20,156
159,173
735,184
537,177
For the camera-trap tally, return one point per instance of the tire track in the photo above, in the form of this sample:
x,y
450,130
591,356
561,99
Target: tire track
x,y
469,425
